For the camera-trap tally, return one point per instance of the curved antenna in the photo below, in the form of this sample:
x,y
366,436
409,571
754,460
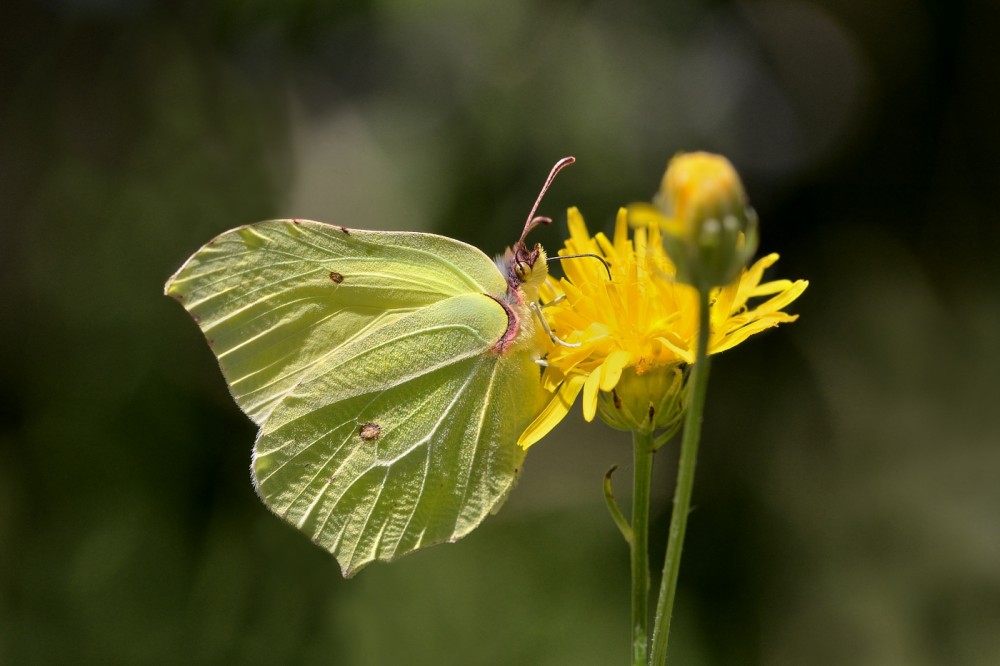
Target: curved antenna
x,y
535,221
601,259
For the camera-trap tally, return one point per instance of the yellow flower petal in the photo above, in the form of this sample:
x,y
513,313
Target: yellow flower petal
x,y
617,361
684,353
577,227
621,228
773,287
751,278
641,215
554,412
590,394
783,299
738,336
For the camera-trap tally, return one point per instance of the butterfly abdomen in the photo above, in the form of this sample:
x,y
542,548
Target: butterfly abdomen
x,y
520,331
514,320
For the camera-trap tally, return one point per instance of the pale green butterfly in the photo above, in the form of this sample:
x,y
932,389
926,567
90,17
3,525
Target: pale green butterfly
x,y
390,373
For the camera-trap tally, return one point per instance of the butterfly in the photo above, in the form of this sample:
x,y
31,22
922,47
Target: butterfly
x,y
390,374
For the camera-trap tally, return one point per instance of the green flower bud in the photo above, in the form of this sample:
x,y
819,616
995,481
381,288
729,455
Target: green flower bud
x,y
710,232
652,400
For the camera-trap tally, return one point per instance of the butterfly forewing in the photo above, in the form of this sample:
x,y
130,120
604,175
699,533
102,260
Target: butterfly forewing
x,y
275,299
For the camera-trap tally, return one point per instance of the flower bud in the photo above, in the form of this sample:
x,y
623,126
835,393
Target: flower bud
x,y
710,232
652,400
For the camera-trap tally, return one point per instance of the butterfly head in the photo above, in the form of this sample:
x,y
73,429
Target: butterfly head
x,y
524,269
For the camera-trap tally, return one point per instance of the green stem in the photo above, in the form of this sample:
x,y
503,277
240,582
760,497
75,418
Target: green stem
x,y
642,457
682,492
616,513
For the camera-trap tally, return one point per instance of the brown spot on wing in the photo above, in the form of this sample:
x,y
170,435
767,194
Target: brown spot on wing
x,y
336,277
370,432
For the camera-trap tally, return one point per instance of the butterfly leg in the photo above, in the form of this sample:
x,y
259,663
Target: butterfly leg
x,y
545,325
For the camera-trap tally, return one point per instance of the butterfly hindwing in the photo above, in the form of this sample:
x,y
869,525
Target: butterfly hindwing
x,y
410,440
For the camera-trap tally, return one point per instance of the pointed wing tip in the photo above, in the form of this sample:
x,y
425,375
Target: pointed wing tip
x,y
351,568
170,288
346,570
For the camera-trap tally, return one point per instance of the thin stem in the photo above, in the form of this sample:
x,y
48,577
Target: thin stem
x,y
616,513
642,457
682,492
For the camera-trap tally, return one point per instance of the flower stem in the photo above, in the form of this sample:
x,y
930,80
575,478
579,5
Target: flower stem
x,y
642,457
682,492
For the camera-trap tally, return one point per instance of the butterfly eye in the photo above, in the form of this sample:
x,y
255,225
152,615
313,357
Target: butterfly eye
x,y
522,269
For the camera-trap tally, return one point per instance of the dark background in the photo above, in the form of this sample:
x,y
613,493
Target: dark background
x,y
848,494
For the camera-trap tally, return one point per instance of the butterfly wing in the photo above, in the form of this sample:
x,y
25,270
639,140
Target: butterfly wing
x,y
388,423
408,439
276,299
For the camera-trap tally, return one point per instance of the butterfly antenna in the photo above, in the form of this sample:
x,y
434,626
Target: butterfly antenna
x,y
601,259
535,221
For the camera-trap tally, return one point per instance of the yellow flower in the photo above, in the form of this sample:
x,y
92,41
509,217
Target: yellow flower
x,y
637,331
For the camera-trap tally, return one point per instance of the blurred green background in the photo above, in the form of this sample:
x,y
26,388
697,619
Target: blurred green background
x,y
848,494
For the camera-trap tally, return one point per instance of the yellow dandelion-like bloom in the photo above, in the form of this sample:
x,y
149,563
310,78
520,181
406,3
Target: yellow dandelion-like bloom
x,y
637,331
